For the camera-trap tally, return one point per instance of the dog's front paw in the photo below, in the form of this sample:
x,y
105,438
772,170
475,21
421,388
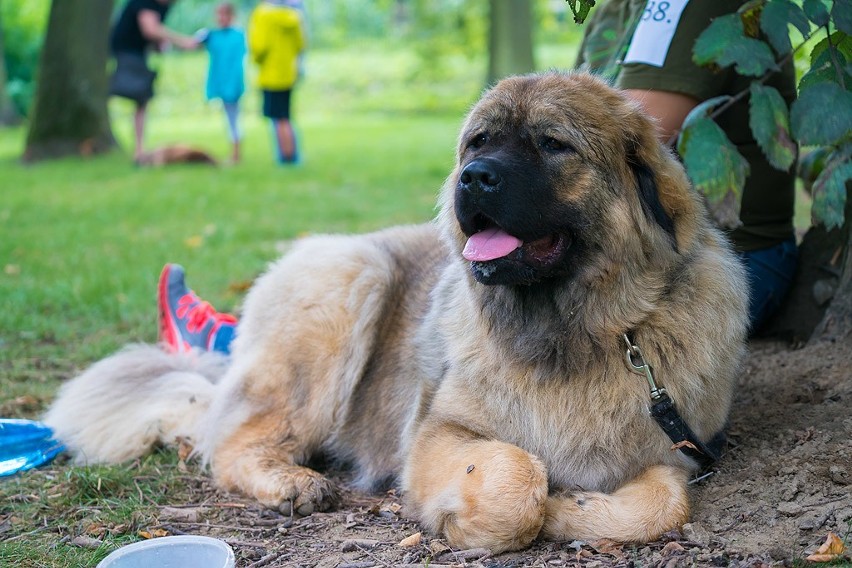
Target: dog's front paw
x,y
290,489
302,492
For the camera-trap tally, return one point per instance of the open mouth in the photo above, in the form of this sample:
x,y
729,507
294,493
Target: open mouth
x,y
491,242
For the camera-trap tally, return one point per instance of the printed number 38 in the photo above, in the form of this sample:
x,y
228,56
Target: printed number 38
x,y
655,11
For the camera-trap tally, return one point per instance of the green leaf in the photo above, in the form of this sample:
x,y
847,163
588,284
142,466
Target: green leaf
x,y
811,165
776,16
705,109
841,13
816,11
580,9
724,43
770,124
822,114
829,191
714,165
823,69
840,41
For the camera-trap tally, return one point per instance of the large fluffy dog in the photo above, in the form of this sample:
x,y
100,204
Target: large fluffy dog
x,y
479,360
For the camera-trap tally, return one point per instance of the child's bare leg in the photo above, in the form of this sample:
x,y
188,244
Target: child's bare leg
x,y
232,113
139,130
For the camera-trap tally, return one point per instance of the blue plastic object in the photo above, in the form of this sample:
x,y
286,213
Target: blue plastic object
x,y
25,444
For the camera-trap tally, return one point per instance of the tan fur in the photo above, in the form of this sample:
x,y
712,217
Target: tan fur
x,y
176,154
505,412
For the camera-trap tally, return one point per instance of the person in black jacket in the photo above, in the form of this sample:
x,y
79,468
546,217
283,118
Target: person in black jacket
x,y
140,28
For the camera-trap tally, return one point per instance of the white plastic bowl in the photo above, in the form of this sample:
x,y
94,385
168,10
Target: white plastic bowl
x,y
183,551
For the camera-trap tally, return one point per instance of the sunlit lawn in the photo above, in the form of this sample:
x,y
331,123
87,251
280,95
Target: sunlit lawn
x,y
83,240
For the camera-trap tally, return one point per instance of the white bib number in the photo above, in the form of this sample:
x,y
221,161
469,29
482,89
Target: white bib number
x,y
655,31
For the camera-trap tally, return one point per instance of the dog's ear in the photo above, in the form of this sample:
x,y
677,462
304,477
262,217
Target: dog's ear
x,y
649,195
664,189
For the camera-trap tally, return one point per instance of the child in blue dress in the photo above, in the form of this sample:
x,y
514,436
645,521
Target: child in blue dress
x,y
226,46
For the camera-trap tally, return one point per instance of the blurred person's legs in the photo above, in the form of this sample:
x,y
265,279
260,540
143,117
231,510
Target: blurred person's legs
x,y
232,113
276,107
286,139
139,130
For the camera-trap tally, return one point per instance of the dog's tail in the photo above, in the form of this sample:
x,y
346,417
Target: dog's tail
x,y
129,402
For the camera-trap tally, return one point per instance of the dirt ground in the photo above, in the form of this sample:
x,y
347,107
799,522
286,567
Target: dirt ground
x,y
785,482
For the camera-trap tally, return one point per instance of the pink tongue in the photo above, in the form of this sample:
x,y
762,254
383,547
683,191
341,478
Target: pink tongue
x,y
490,244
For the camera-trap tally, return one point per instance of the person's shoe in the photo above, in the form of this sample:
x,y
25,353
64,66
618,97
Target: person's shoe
x,y
185,320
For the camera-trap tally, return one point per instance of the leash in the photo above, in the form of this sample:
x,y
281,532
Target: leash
x,y
665,414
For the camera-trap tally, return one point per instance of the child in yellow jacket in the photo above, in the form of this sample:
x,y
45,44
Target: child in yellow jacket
x,y
276,38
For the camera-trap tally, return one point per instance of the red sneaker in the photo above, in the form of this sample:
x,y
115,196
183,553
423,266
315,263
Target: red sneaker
x,y
185,320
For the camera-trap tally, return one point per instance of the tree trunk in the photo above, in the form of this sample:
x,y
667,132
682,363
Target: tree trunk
x,y
510,45
836,324
69,114
8,115
819,304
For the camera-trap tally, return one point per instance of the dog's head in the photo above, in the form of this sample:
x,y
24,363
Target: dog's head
x,y
553,171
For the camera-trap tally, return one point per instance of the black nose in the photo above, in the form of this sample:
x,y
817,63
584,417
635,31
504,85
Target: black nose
x,y
479,175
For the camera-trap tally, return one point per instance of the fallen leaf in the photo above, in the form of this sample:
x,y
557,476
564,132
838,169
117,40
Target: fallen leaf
x,y
438,546
194,241
606,546
12,269
411,540
832,549
184,514
95,529
185,448
671,548
393,508
84,541
26,402
156,533
240,286
684,444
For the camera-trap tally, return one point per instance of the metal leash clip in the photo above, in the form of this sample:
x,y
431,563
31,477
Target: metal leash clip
x,y
634,355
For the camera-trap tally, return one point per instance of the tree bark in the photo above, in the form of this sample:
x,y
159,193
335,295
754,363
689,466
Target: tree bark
x,y
510,45
836,324
69,114
819,304
8,114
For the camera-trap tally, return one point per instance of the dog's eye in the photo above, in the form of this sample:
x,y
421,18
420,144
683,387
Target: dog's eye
x,y
478,141
553,145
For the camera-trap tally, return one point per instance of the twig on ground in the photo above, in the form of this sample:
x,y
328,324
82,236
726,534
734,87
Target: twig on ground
x,y
266,560
373,556
223,527
245,543
23,535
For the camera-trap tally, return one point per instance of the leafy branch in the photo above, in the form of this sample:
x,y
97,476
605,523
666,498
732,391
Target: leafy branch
x,y
821,118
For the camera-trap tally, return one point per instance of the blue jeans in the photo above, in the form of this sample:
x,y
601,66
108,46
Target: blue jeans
x,y
770,273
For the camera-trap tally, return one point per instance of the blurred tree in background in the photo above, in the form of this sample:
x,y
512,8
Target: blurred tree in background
x,y
8,114
69,114
22,24
510,43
